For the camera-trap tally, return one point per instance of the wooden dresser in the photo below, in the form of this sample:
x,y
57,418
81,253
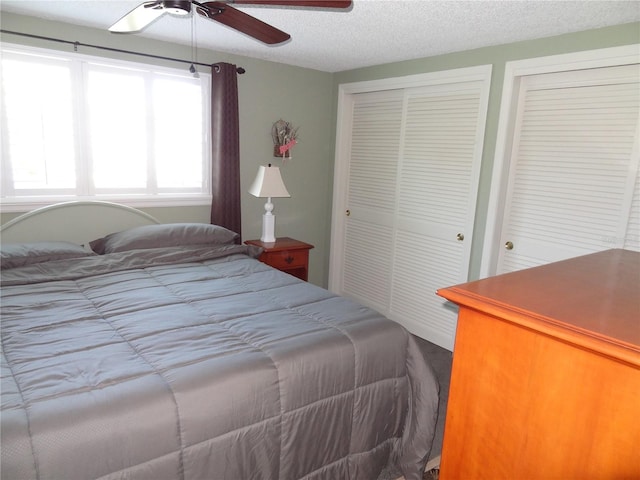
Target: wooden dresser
x,y
546,373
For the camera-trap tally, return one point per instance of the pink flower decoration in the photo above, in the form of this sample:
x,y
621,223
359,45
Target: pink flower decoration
x,y
284,148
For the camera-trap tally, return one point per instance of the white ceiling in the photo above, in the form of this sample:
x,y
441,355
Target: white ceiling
x,y
372,32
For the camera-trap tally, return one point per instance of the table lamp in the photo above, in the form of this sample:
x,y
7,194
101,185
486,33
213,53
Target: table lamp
x,y
268,183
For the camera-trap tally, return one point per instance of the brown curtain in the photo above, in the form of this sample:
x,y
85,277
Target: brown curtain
x,y
225,140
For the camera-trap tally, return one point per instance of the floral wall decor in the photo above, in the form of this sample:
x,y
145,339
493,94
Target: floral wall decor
x,y
284,136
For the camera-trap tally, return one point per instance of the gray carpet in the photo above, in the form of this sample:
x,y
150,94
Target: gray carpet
x,y
440,360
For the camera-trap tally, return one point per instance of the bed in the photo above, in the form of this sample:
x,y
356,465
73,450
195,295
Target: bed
x,y
174,353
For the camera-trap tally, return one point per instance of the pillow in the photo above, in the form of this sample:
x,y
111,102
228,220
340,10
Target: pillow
x,y
22,254
164,235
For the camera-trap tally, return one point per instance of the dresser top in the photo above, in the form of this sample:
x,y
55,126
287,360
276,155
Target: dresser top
x,y
595,296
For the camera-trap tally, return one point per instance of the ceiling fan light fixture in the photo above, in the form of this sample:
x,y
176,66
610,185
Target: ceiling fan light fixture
x,y
177,7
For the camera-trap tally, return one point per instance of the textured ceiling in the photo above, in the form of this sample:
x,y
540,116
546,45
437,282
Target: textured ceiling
x,y
372,32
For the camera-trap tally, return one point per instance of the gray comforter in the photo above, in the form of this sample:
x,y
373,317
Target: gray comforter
x,y
203,363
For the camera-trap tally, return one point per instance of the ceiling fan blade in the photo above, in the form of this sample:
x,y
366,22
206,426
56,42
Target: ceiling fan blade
x,y
297,3
229,16
139,18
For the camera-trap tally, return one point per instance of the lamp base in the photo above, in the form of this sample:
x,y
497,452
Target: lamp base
x,y
268,228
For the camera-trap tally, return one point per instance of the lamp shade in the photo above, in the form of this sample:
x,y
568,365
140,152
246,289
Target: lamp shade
x,y
268,183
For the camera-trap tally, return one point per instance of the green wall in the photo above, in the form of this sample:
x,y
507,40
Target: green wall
x,y
497,56
308,99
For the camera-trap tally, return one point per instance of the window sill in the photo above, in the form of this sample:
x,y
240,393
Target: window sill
x,y
31,203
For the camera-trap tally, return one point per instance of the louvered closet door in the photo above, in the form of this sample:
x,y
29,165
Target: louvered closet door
x,y
372,186
437,189
574,175
413,173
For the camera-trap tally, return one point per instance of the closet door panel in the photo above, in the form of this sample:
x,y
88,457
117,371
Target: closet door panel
x,y
438,168
438,153
421,265
574,154
367,266
437,179
372,189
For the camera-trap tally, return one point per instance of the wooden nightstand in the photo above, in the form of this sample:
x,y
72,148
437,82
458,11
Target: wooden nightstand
x,y
287,255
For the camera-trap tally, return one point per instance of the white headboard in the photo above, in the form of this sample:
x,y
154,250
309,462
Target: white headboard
x,y
77,222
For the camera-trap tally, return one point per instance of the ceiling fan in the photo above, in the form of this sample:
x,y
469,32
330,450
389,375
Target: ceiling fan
x,y
222,12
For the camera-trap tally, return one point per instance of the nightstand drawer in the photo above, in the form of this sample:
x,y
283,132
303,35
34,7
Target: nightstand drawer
x,y
286,254
286,258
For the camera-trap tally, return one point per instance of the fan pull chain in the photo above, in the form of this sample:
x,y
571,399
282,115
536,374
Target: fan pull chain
x,y
194,47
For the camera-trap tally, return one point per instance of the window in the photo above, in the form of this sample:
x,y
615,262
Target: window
x,y
80,127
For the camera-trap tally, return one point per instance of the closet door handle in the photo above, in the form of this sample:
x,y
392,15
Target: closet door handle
x,y
460,237
508,245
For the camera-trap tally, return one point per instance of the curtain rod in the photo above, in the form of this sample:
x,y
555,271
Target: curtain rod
x,y
239,70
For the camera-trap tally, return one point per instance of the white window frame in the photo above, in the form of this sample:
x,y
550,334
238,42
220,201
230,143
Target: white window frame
x,y
147,199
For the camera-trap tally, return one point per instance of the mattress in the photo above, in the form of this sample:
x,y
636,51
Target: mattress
x,y
201,362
